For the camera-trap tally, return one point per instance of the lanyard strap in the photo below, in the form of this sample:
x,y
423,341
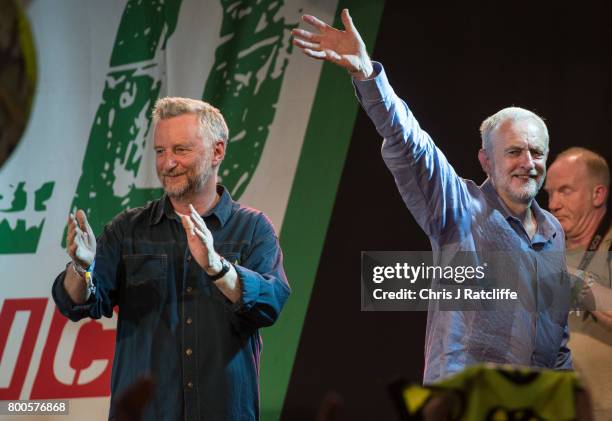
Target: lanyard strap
x,y
602,229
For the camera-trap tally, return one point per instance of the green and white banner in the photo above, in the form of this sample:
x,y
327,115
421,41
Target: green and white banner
x,y
101,66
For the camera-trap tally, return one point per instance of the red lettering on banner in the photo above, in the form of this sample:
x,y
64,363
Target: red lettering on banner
x,y
77,359
36,309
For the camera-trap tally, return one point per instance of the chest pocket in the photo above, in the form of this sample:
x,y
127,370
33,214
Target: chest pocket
x,y
231,251
233,258
141,268
145,282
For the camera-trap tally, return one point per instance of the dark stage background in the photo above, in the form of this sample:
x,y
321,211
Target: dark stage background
x,y
454,64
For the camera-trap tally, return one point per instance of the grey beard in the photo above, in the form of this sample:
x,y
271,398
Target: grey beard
x,y
526,196
192,186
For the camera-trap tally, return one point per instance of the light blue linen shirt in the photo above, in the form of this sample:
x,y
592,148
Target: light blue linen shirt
x,y
460,216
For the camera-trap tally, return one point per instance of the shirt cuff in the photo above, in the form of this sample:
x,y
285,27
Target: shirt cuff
x,y
375,89
250,284
65,304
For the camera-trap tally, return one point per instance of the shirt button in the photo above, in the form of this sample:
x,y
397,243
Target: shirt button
x,y
189,258
188,321
188,351
190,385
189,289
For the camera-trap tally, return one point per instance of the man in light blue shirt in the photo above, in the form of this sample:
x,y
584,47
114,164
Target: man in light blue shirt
x,y
500,215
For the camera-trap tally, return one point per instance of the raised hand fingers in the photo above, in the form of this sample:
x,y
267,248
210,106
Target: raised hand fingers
x,y
71,225
80,239
199,222
71,245
316,22
83,224
319,55
81,227
329,55
305,44
347,21
305,35
193,228
202,236
187,224
73,230
74,225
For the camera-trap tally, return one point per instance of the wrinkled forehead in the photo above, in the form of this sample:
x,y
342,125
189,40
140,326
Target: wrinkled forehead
x,y
179,129
523,133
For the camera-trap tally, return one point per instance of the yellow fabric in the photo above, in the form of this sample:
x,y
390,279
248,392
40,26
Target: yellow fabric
x,y
415,397
492,392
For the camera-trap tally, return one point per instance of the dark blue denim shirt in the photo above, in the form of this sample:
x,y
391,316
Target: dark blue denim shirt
x,y
461,217
174,323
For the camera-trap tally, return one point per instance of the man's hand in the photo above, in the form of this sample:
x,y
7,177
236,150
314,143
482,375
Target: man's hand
x,y
344,48
602,297
81,247
80,240
200,242
201,246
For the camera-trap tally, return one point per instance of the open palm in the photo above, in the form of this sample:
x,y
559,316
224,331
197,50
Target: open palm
x,y
200,240
81,241
344,48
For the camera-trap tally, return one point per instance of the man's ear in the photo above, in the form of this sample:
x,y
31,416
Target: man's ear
x,y
485,163
218,152
599,195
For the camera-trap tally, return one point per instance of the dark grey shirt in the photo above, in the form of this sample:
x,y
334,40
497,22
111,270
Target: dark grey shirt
x,y
460,216
174,323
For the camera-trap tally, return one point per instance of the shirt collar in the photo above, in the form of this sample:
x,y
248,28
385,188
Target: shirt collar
x,y
222,210
489,191
546,229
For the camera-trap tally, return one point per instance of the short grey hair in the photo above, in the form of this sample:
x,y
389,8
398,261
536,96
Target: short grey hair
x,y
511,114
212,123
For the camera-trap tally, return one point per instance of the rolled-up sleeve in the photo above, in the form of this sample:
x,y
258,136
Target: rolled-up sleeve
x,y
104,277
264,284
65,305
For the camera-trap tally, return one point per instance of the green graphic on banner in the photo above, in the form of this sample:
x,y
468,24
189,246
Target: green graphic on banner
x,y
118,137
24,237
310,207
18,78
245,82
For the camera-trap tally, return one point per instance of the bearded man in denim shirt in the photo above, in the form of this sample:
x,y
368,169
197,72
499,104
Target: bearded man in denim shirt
x,y
460,216
195,275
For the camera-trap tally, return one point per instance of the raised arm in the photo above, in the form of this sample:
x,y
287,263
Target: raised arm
x,y
432,191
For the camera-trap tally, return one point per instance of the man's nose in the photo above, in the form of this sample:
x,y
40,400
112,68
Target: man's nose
x,y
169,161
553,201
527,161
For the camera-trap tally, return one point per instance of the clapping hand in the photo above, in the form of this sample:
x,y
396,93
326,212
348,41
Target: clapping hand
x,y
200,241
80,240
